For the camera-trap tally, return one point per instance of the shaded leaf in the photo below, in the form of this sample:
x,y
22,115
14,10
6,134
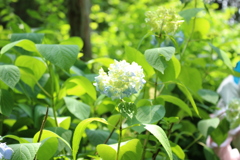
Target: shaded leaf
x,y
188,14
34,37
10,75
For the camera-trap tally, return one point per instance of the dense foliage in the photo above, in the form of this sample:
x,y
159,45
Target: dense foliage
x,y
49,105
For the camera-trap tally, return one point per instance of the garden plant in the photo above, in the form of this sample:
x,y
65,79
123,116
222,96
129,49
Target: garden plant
x,y
146,94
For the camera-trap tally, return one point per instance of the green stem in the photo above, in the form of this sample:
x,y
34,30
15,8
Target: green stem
x,y
200,136
51,71
44,91
190,36
145,145
120,137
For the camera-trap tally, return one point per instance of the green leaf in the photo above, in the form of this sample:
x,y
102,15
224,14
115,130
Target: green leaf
x,y
173,70
106,152
222,55
209,153
73,41
79,131
20,140
189,13
10,75
150,114
178,102
220,134
105,61
158,57
34,37
127,109
188,95
77,108
32,69
6,102
133,55
113,120
207,126
47,149
97,137
191,78
128,150
62,56
79,85
24,151
49,134
177,150
25,44
64,122
159,133
209,95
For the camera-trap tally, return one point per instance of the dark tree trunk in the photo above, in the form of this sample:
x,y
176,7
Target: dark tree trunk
x,y
78,15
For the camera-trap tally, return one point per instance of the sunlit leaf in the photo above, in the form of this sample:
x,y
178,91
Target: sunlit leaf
x,y
158,57
206,126
24,151
189,13
159,133
10,75
73,41
77,108
34,37
47,149
62,56
79,131
178,102
150,114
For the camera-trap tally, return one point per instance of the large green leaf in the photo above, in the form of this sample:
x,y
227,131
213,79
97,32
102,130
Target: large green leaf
x,y
189,13
220,134
206,126
159,133
73,41
158,57
10,75
209,95
35,37
189,96
77,108
173,70
47,149
128,150
79,131
6,102
222,55
106,152
98,136
62,56
20,140
150,114
31,68
48,134
191,78
133,55
177,150
24,151
24,43
178,102
79,85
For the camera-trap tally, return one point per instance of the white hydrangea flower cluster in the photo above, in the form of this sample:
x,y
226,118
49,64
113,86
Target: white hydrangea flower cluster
x,y
163,20
233,113
122,80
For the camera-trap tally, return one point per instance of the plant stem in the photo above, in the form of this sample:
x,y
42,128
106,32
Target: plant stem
x,y
145,145
200,136
51,71
112,132
120,137
43,124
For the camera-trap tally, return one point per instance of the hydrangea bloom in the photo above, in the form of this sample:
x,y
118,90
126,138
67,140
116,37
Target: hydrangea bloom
x,y
233,113
122,80
5,151
163,20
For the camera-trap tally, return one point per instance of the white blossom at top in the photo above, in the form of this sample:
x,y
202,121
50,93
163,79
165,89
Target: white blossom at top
x,y
122,80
